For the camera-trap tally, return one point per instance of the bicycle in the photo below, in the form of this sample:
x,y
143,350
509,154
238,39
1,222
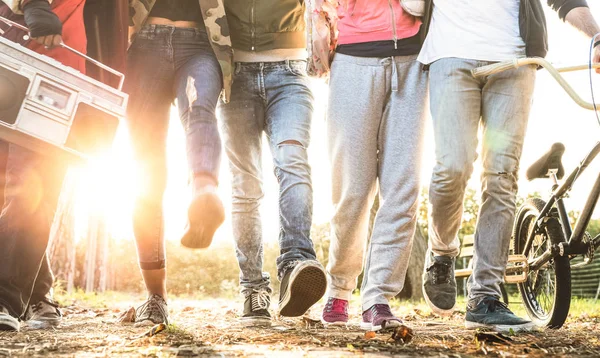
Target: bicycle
x,y
543,243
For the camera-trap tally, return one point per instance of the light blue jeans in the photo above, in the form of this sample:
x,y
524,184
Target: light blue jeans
x,y
460,105
274,98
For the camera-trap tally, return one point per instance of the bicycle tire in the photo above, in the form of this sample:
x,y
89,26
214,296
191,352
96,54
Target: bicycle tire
x,y
555,315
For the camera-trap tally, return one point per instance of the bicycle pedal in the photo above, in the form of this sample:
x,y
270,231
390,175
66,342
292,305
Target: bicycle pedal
x,y
517,269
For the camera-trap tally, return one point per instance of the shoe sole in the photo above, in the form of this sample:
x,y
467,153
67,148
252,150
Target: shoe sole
x,y
367,326
8,323
436,310
255,322
43,323
502,328
146,323
334,324
306,287
205,214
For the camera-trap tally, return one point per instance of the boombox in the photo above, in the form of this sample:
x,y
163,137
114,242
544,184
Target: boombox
x,y
54,109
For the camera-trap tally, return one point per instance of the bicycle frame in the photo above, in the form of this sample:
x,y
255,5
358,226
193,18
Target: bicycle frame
x,y
574,244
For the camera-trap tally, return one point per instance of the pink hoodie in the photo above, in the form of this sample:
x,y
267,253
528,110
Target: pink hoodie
x,y
374,20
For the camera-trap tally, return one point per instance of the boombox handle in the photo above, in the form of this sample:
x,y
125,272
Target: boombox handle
x,y
97,63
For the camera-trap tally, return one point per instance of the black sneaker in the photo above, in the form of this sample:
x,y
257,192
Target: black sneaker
x,y
43,315
439,284
153,311
256,309
301,287
493,314
8,322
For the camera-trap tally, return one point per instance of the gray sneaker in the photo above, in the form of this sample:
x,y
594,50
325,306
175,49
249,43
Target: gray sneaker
x,y
43,315
8,322
439,284
153,311
493,314
256,309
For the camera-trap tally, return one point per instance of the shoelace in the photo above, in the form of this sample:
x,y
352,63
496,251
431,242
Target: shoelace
x,y
336,305
381,310
493,305
38,306
260,300
153,306
440,272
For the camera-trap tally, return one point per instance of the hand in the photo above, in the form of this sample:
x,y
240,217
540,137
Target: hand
x,y
49,41
44,25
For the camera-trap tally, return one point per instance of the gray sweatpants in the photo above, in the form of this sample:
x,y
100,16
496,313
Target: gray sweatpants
x,y
375,125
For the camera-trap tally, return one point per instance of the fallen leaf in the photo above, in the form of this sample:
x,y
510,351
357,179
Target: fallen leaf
x,y
492,337
403,334
370,335
127,316
154,330
312,323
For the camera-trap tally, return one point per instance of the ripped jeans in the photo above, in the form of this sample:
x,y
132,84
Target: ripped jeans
x,y
460,105
274,98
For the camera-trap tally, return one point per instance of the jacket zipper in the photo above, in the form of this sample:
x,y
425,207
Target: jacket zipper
x,y
393,25
252,24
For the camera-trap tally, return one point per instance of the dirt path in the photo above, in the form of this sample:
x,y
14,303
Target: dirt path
x,y
208,328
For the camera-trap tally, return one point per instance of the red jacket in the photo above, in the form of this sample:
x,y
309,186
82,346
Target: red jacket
x,y
70,13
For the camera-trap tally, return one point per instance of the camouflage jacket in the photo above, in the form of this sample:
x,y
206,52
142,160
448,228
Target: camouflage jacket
x,y
213,13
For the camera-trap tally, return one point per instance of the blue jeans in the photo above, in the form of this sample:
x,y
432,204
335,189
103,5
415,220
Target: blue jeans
x,y
32,189
274,98
167,63
460,105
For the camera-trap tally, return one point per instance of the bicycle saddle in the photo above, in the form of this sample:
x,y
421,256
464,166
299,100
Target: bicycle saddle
x,y
551,160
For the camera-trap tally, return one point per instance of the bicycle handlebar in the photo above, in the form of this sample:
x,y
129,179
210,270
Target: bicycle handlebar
x,y
554,72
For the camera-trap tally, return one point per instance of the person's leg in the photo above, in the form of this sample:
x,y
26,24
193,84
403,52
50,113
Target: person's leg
x,y
288,121
44,282
149,81
455,98
356,102
198,83
400,147
31,196
42,311
242,127
54,176
505,110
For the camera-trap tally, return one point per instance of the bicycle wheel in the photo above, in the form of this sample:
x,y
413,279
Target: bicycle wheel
x,y
547,291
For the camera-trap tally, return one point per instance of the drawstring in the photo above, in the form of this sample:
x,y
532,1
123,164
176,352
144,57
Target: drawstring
x,y
394,75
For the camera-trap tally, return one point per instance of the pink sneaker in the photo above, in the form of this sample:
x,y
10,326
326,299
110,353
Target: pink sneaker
x,y
379,317
335,312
